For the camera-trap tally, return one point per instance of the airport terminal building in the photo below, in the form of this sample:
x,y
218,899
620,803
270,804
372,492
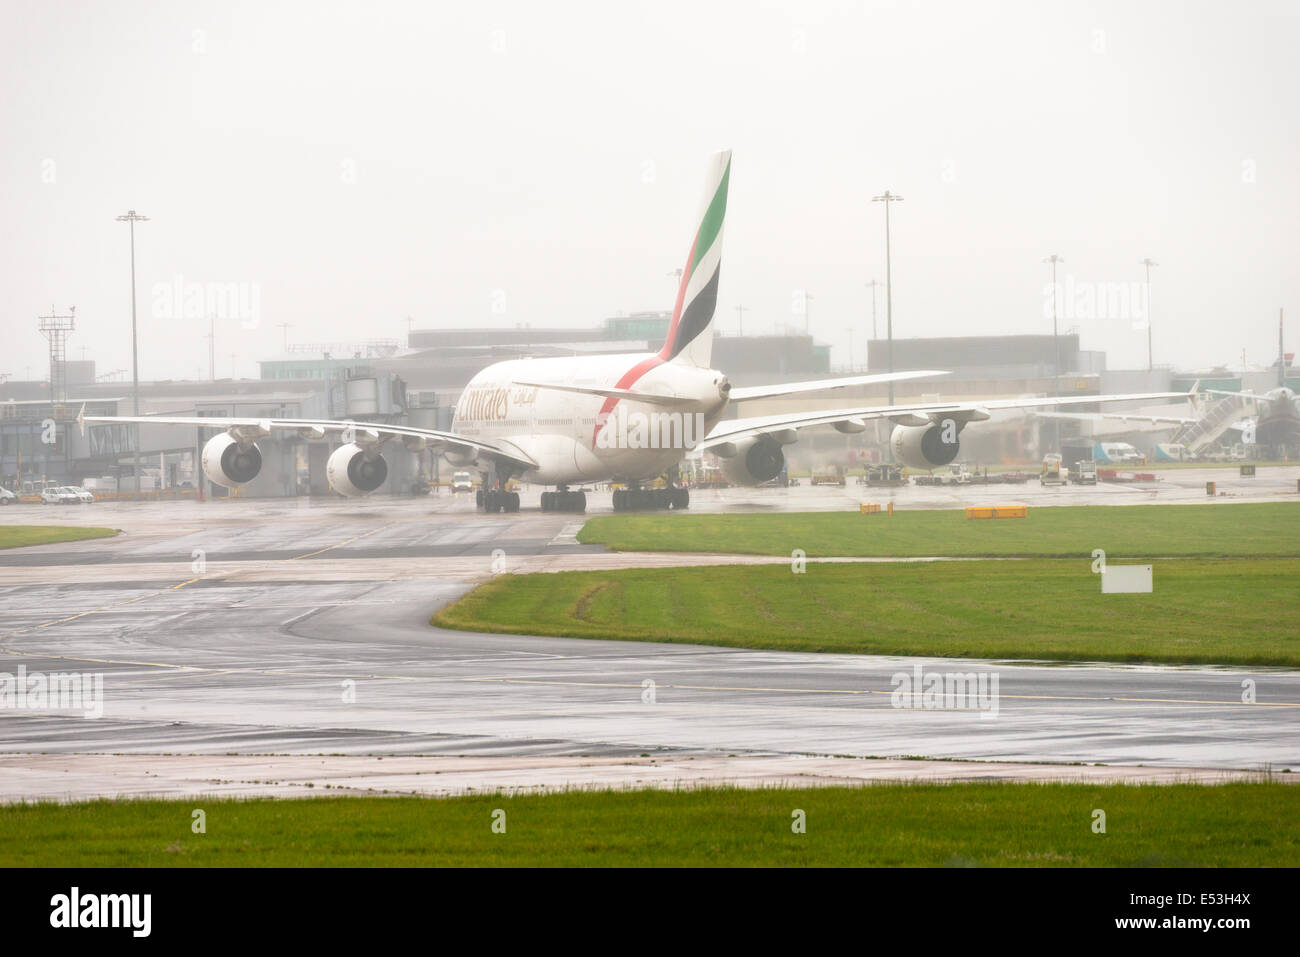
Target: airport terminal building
x,y
418,384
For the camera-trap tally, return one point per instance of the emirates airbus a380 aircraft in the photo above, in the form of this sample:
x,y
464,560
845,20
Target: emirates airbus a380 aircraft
x,y
569,422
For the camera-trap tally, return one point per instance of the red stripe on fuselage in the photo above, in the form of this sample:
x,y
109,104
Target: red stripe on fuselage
x,y
626,382
645,365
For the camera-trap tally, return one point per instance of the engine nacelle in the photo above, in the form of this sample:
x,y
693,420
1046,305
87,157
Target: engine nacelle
x,y
924,446
461,456
353,471
227,463
756,461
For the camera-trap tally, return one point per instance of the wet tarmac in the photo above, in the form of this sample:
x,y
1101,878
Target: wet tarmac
x,y
296,627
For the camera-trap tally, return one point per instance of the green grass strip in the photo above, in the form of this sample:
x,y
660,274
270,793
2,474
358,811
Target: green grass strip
x,y
985,824
1257,529
1223,611
18,536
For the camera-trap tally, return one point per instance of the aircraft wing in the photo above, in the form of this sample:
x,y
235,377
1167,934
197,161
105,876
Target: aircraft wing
x,y
363,433
651,397
1135,417
821,385
784,428
1257,396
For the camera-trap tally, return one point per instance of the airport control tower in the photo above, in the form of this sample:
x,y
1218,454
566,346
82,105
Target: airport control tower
x,y
57,328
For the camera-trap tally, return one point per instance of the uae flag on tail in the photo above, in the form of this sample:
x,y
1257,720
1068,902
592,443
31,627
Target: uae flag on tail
x,y
690,336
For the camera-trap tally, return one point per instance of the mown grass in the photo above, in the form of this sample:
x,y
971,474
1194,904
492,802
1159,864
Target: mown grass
x,y
18,536
1259,529
928,825
1221,611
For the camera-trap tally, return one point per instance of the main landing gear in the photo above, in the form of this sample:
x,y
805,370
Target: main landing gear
x,y
648,499
497,501
564,501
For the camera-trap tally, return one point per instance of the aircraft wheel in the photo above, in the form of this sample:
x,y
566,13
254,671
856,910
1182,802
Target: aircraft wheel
x,y
513,502
580,501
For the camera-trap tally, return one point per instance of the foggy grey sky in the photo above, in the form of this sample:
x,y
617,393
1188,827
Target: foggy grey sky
x,y
359,163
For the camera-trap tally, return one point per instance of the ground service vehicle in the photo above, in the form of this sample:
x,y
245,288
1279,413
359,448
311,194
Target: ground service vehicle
x,y
1084,472
827,476
1053,473
884,475
956,475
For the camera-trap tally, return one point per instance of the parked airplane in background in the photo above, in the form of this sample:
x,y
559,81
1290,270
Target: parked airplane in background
x,y
567,422
1277,419
1278,423
1270,420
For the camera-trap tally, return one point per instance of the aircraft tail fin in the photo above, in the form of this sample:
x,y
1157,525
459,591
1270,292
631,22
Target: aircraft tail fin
x,y
690,333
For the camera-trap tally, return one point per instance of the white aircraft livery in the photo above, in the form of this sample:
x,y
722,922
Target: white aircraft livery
x,y
573,421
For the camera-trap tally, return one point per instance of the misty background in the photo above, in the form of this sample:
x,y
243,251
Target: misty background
x,y
356,164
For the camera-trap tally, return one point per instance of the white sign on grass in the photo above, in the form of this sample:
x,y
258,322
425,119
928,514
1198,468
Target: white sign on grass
x,y
1124,579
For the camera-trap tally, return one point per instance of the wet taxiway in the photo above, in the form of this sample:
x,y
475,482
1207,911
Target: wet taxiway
x,y
301,628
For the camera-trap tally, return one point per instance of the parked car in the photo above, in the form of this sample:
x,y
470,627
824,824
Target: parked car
x,y
1120,453
58,495
83,496
7,497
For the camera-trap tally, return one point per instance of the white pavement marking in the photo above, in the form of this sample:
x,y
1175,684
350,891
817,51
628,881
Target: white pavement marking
x,y
75,777
568,535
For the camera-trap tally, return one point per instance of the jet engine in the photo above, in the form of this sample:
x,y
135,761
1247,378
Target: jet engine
x,y
461,456
228,463
352,470
925,446
755,461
